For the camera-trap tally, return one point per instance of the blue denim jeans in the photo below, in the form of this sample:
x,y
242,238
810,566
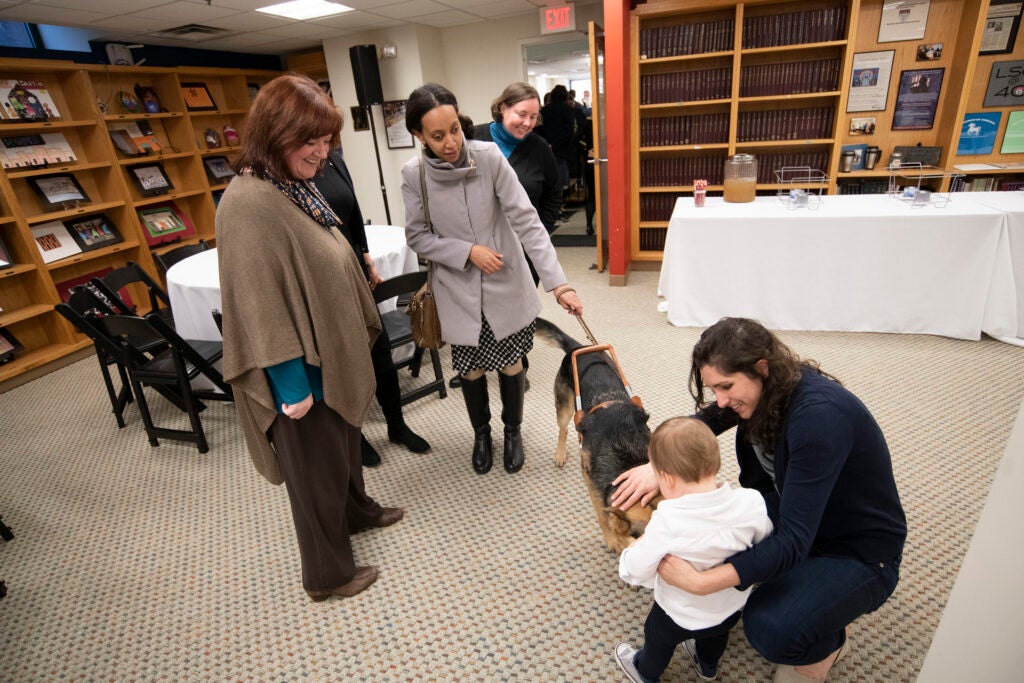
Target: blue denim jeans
x,y
799,617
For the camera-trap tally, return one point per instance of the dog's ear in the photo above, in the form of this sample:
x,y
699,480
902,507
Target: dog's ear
x,y
640,417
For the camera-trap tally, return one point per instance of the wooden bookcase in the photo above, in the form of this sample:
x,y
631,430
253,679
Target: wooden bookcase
x,y
785,103
87,97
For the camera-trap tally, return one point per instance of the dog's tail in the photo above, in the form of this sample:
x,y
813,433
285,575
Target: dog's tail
x,y
553,334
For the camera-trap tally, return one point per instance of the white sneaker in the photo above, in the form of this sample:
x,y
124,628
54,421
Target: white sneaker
x,y
704,672
624,654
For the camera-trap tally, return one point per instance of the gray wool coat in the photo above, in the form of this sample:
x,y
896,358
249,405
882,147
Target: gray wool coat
x,y
478,200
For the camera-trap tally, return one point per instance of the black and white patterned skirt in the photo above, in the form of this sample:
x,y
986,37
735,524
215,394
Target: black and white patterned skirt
x,y
492,354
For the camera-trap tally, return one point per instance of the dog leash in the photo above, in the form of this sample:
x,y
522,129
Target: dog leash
x,y
596,348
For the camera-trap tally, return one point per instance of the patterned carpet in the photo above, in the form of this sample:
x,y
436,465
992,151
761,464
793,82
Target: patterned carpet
x,y
133,563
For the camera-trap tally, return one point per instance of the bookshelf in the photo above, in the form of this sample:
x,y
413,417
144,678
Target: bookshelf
x,y
778,72
88,99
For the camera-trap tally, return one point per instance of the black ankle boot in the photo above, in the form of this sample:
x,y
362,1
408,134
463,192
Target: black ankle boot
x,y
401,434
371,458
512,390
479,408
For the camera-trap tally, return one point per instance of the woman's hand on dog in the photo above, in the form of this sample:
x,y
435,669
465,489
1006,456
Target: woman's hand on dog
x,y
638,485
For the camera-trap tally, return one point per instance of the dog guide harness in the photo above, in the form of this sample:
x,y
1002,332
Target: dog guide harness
x,y
595,348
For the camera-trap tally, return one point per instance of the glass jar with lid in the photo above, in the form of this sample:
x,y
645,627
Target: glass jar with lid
x,y
740,178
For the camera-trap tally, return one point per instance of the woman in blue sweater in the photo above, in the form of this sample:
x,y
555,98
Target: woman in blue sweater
x,y
820,460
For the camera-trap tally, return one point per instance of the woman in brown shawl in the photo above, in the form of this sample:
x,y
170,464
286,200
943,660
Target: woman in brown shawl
x,y
299,321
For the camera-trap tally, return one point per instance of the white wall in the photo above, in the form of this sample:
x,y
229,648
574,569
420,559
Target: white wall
x,y
475,61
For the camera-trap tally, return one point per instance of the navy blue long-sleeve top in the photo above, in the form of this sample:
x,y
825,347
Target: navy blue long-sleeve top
x,y
834,494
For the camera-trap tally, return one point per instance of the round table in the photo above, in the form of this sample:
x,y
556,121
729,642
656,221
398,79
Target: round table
x,y
193,284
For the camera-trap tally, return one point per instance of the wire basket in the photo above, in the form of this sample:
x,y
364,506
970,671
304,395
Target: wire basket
x,y
800,186
908,184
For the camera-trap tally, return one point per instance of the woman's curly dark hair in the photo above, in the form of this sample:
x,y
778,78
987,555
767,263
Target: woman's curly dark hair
x,y
736,345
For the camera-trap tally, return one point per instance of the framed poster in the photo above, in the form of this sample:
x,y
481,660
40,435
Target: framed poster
x,y
58,191
5,256
917,99
869,84
218,170
1001,25
394,124
150,179
93,232
1005,84
1013,137
9,345
26,100
903,20
978,133
197,97
54,241
165,223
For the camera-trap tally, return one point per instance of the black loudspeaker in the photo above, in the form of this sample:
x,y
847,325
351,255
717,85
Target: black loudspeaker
x,y
366,74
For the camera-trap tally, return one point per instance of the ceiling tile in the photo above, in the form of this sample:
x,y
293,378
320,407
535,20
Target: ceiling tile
x,y
134,22
452,17
108,7
301,30
505,8
184,12
251,21
40,14
357,21
412,8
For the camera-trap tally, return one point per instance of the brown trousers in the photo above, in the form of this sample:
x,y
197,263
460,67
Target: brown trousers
x,y
322,467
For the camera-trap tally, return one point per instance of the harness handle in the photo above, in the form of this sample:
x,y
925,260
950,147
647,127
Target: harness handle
x,y
590,335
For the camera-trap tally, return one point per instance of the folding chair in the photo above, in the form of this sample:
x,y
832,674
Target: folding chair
x,y
172,256
175,367
131,273
399,330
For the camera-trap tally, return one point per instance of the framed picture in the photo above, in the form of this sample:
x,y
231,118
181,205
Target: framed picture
x,y
394,124
58,191
35,150
150,179
165,223
869,84
64,287
359,119
927,52
863,125
903,20
218,170
197,97
9,345
1004,84
26,100
5,256
1001,25
54,241
978,132
917,99
1013,136
93,232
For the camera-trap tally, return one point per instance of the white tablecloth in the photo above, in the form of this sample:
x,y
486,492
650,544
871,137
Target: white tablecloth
x,y
193,285
857,263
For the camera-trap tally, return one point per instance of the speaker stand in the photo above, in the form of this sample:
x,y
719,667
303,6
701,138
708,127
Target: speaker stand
x,y
380,168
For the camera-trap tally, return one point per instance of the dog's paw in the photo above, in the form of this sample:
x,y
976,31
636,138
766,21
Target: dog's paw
x,y
617,543
560,458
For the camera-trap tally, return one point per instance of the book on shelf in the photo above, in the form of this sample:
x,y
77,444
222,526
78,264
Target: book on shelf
x,y
134,138
35,151
26,100
793,28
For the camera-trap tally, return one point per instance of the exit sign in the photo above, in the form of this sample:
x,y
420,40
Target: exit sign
x,y
558,18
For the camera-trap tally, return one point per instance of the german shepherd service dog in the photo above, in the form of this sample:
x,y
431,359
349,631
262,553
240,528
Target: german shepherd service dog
x,y
613,437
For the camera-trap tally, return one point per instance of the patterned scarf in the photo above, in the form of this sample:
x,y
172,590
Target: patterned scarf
x,y
305,195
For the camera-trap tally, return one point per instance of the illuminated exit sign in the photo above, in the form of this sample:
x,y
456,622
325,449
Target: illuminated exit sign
x,y
558,18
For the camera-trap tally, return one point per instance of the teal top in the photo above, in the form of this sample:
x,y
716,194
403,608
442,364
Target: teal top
x,y
294,380
506,141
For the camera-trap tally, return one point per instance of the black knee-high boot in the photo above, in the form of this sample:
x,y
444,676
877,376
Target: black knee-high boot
x,y
512,389
479,408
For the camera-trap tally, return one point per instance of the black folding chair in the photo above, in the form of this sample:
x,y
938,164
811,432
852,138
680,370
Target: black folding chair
x,y
175,367
172,256
132,273
399,329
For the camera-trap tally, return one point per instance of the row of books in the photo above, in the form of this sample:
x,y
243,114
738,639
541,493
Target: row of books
x,y
701,129
794,28
652,239
687,39
657,207
991,184
789,78
785,124
686,86
865,186
678,171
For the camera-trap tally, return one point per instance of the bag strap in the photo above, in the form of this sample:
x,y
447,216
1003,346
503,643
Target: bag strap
x,y
426,214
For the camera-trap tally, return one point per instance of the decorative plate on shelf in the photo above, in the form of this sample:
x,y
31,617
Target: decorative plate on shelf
x,y
129,102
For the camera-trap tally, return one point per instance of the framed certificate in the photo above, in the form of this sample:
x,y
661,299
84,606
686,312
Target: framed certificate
x,y
197,97
869,83
58,191
903,20
1001,25
150,179
394,125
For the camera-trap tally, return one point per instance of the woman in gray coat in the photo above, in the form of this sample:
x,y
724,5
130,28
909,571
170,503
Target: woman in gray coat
x,y
481,220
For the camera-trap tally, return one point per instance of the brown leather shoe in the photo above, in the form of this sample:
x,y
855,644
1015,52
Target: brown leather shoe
x,y
363,579
389,516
